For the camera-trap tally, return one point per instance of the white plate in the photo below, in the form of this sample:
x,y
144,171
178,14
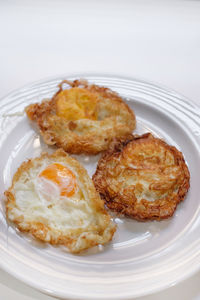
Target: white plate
x,y
143,257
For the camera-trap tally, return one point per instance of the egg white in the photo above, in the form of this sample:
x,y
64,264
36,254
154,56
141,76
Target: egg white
x,y
60,212
36,206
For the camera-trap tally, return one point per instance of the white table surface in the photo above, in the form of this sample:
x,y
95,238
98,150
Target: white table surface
x,y
153,40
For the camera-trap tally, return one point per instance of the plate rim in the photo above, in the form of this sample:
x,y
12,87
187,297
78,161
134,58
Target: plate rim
x,y
101,75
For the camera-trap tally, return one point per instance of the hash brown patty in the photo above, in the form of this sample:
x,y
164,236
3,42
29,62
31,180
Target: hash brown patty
x,y
142,177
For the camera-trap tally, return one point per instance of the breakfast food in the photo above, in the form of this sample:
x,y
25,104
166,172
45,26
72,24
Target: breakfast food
x,y
142,177
53,198
83,118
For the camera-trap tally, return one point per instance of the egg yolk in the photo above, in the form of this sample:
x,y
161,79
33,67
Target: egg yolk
x,y
76,103
62,176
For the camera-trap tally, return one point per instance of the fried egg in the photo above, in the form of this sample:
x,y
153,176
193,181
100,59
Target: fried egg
x,y
82,118
53,198
142,177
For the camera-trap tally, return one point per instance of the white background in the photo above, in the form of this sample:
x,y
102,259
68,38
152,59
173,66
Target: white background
x,y
153,40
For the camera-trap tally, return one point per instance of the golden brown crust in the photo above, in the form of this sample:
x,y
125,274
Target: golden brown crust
x,y
142,177
115,120
99,231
